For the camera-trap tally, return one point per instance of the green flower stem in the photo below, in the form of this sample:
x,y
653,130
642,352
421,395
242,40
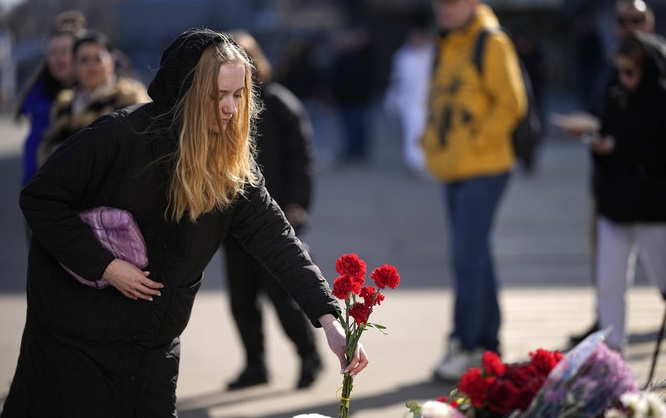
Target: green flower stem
x,y
353,334
347,386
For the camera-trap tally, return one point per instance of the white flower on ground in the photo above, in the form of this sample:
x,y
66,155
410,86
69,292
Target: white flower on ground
x,y
311,416
435,409
614,413
639,405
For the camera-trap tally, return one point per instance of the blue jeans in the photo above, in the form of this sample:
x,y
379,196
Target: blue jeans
x,y
472,205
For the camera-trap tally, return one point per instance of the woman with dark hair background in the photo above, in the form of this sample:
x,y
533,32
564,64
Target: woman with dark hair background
x,y
629,178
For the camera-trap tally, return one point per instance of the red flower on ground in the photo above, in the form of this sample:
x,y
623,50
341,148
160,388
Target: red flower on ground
x,y
386,276
351,265
492,364
515,389
475,386
499,389
545,360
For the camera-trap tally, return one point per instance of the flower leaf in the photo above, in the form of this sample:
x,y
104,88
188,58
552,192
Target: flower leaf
x,y
414,408
378,327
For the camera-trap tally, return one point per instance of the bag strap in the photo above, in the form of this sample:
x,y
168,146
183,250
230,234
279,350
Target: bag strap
x,y
479,47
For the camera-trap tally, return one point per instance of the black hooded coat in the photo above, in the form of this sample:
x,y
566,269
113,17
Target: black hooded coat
x,y
630,183
89,352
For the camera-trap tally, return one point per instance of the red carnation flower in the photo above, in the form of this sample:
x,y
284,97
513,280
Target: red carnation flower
x,y
492,364
503,397
516,389
343,285
545,360
474,385
367,292
347,287
371,296
379,298
360,312
386,276
351,265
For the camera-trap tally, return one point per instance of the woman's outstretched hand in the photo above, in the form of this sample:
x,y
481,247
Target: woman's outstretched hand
x,y
337,341
131,281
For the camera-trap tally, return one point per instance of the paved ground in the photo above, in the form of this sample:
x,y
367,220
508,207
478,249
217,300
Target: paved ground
x,y
385,216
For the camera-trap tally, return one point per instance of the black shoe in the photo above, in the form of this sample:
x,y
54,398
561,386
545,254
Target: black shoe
x,y
311,367
575,339
251,376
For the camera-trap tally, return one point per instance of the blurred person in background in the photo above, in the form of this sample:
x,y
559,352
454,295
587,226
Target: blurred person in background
x,y
630,16
352,91
300,69
98,91
629,179
468,148
284,154
407,93
592,43
51,77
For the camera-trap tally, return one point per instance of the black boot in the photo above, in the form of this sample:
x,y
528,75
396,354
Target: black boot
x,y
250,376
311,367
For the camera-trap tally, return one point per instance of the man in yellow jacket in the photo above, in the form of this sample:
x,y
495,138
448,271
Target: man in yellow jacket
x,y
467,146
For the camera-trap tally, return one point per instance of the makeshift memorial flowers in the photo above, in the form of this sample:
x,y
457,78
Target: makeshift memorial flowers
x,y
590,381
359,301
497,389
585,383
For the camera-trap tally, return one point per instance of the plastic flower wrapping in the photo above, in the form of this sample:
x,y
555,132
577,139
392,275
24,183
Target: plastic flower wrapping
x,y
360,301
590,381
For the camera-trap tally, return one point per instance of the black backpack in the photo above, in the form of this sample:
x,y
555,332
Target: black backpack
x,y
527,133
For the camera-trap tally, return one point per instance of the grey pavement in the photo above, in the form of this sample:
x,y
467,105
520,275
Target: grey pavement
x,y
385,216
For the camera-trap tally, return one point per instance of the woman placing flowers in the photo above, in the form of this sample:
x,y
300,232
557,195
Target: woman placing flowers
x,y
183,166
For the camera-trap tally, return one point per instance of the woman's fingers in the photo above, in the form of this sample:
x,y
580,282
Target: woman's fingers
x,y
358,363
131,281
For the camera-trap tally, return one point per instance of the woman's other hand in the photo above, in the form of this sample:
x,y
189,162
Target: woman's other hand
x,y
131,281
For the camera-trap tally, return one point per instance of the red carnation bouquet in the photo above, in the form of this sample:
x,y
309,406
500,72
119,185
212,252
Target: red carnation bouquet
x,y
503,388
497,389
360,301
589,382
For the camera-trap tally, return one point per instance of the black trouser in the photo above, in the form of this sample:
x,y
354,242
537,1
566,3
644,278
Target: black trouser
x,y
246,279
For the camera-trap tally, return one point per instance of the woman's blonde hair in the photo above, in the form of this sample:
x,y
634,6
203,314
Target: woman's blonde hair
x,y
213,168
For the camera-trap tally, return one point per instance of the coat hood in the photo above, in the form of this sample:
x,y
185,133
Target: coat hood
x,y
176,71
654,67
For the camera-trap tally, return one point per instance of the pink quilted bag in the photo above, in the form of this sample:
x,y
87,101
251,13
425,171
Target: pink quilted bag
x,y
119,233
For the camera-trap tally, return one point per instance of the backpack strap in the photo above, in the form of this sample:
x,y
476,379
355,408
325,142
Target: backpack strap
x,y
479,47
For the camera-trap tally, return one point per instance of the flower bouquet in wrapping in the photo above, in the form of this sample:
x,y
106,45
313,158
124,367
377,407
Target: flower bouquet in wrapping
x,y
590,381
583,385
360,301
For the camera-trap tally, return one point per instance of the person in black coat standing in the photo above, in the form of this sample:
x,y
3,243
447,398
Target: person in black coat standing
x,y
183,166
629,178
283,144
